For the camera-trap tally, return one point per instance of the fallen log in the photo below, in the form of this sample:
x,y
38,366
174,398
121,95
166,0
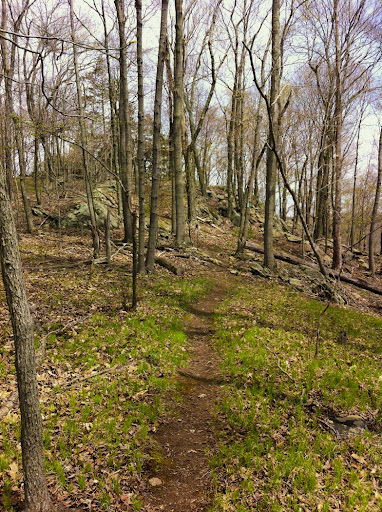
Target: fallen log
x,y
166,264
294,260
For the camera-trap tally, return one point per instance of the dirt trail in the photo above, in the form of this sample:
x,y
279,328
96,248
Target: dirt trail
x,y
182,464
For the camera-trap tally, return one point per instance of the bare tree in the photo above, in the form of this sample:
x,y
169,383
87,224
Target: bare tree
x,y
35,486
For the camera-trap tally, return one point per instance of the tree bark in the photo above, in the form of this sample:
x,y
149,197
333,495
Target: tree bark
x,y
337,251
113,123
22,167
35,486
162,51
141,142
178,117
125,150
351,236
269,260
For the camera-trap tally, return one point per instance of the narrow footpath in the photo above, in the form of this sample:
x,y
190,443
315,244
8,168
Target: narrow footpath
x,y
180,472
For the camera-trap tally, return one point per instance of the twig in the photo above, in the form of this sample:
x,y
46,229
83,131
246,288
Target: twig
x,y
278,361
78,380
326,424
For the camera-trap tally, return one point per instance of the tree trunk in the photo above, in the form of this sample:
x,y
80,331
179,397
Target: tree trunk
x,y
8,72
113,123
150,257
22,167
178,116
35,486
230,152
269,259
190,185
35,169
249,193
125,150
141,143
375,209
337,251
351,236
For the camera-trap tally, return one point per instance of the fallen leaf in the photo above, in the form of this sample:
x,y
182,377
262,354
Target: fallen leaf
x,y
13,470
359,459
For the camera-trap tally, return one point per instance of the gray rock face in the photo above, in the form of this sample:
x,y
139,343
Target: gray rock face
x,y
80,216
312,272
104,198
259,270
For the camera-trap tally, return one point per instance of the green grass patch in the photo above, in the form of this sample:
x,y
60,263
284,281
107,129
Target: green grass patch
x,y
274,453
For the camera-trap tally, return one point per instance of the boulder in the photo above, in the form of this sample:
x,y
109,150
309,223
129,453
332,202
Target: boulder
x,y
297,283
80,216
235,219
293,238
164,227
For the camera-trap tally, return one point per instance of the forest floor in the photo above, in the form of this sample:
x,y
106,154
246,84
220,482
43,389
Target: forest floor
x,y
207,397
